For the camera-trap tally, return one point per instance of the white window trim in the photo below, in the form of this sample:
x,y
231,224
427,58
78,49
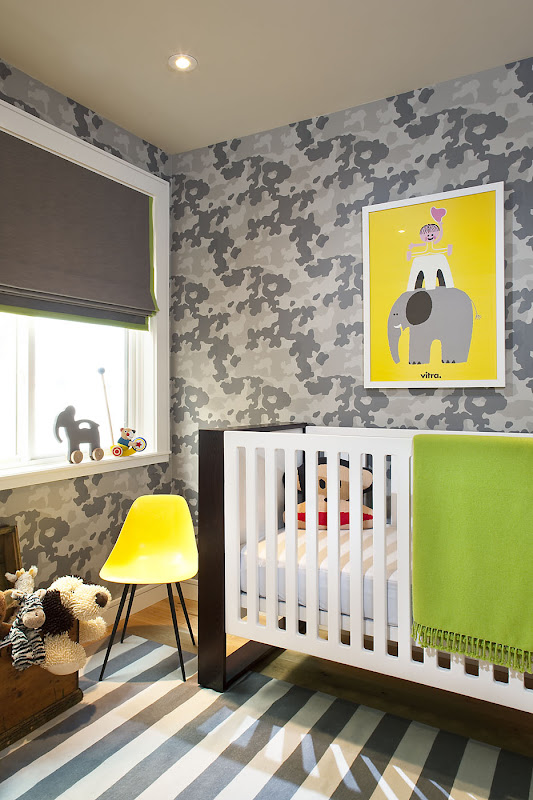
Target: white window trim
x,y
156,371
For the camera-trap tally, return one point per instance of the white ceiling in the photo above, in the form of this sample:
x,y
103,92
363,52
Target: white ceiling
x,y
262,63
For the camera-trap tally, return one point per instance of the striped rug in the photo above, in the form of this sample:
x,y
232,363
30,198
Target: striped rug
x,y
143,733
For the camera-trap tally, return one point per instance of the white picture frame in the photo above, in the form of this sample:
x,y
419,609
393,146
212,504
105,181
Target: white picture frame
x,y
466,255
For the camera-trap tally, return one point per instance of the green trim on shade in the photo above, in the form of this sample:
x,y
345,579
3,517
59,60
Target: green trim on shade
x,y
31,312
151,241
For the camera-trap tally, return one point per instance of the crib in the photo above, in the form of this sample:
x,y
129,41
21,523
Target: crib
x,y
339,594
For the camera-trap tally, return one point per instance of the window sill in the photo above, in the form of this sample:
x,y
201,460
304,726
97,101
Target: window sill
x,y
27,475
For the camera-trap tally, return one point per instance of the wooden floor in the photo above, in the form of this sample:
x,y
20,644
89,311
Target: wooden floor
x,y
155,623
512,730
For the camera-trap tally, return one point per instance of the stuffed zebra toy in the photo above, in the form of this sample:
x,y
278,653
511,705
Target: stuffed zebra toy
x,y
25,638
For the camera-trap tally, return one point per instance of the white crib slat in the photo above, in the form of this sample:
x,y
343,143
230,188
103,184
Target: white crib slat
x,y
333,572
486,673
232,545
516,690
356,551
401,504
457,667
291,544
311,545
251,534
380,552
430,661
271,535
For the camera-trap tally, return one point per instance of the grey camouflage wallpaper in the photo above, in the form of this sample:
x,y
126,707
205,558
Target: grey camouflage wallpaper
x,y
267,270
266,309
71,525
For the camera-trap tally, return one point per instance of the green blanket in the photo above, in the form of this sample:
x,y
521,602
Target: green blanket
x,y
473,546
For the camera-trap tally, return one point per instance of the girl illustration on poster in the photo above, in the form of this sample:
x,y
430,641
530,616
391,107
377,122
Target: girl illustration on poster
x,y
430,267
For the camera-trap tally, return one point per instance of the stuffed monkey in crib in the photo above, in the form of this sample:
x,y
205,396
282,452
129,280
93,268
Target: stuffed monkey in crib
x,y
344,495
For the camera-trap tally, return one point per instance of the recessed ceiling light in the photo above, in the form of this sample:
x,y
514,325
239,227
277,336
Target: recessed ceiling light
x,y
182,62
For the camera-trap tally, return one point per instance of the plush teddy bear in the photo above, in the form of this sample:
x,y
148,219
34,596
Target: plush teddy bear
x,y
344,495
25,638
69,599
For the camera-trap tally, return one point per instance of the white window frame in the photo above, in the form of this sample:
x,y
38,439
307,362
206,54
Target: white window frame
x,y
149,377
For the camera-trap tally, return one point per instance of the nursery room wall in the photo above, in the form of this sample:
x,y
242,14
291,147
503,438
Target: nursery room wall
x,y
267,281
266,308
71,525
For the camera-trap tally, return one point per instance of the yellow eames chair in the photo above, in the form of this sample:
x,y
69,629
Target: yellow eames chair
x,y
156,545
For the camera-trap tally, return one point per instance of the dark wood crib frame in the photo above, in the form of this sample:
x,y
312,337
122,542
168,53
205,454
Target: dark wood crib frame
x,y
215,669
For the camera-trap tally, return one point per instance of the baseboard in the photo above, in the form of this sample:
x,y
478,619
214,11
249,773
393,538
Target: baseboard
x,y
190,589
146,596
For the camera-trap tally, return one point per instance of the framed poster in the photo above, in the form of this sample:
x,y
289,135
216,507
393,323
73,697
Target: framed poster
x,y
434,290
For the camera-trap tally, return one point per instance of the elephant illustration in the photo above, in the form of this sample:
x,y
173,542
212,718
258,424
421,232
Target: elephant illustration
x,y
444,313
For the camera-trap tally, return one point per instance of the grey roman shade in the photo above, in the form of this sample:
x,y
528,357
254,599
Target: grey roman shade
x,y
72,241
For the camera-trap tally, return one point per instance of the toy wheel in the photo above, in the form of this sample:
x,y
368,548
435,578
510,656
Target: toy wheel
x,y
116,450
97,454
138,444
76,456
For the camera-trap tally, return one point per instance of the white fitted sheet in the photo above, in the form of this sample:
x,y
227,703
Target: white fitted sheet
x,y
344,552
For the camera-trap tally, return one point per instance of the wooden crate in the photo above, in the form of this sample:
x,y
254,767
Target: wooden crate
x,y
30,698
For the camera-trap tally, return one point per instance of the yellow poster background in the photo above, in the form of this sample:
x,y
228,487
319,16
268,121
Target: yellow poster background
x,y
470,226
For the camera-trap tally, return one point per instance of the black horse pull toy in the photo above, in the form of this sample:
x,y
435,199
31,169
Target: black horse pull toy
x,y
79,431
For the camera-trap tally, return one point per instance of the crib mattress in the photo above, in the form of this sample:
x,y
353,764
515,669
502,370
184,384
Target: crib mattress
x,y
344,553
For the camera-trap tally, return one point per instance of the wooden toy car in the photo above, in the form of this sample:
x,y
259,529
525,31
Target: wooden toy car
x,y
127,445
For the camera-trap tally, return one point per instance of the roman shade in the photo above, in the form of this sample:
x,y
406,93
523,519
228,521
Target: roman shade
x,y
71,240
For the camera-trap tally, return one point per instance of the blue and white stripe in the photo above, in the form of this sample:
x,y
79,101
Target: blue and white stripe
x,y
143,733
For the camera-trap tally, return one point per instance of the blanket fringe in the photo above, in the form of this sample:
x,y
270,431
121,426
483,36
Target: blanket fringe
x,y
482,649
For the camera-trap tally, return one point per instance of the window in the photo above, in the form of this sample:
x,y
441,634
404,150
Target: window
x,y
8,393
51,364
47,364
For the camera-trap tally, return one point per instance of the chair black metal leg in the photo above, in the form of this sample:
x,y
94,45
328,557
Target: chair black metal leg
x,y
175,623
115,626
187,620
132,595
